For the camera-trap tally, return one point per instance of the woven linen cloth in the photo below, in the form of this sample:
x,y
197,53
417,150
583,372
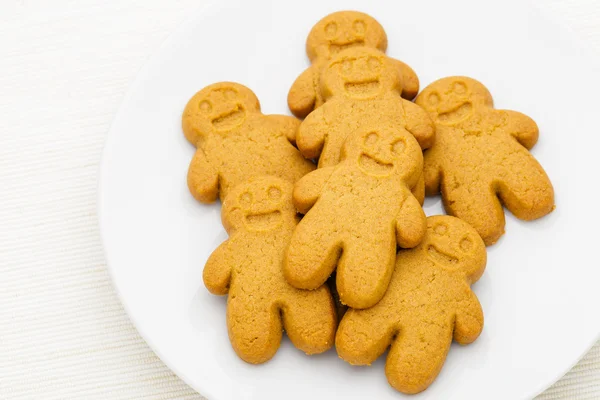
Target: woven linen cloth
x,y
64,68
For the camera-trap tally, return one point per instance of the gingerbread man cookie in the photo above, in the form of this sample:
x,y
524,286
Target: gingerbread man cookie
x,y
260,217
428,303
332,34
481,158
236,141
356,212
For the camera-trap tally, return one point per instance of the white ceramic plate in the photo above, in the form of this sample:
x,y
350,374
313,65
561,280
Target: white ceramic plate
x,y
540,293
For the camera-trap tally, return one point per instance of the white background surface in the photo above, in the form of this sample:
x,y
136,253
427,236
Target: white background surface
x,y
64,67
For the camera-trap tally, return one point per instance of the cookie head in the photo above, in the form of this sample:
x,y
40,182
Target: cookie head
x,y
218,108
342,30
384,151
454,245
261,204
452,100
359,74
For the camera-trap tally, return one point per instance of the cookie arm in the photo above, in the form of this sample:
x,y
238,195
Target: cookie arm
x,y
311,134
419,124
410,223
217,271
302,96
469,319
202,179
286,125
410,80
309,188
521,127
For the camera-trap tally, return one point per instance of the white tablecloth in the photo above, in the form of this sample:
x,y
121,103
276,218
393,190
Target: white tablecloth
x,y
64,67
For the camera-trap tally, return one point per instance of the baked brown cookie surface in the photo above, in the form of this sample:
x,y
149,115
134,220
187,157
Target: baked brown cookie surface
x,y
356,213
360,85
236,141
260,218
334,33
480,159
428,303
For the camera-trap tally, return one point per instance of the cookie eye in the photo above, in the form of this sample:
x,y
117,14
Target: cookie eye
x,y
459,87
440,229
246,198
274,193
230,94
346,66
359,27
205,106
330,30
373,63
466,244
433,99
371,139
398,147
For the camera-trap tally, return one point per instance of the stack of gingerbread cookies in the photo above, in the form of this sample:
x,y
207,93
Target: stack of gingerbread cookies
x,y
332,204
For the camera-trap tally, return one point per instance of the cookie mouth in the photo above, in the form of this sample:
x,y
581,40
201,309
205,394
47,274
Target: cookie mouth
x,y
456,114
230,120
335,48
263,221
373,166
362,89
440,257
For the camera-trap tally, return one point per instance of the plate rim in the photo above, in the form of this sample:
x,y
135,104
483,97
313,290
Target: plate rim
x,y
194,16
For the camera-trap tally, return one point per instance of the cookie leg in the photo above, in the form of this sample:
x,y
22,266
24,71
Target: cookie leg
x,y
309,319
417,356
339,307
527,193
432,172
477,204
365,268
254,328
468,322
312,254
363,335
419,190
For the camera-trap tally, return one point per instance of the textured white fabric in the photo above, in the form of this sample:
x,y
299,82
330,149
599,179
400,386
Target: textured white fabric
x,y
64,67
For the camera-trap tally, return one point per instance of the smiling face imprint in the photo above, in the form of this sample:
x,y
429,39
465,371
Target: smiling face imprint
x,y
375,158
261,208
359,74
452,244
341,35
343,30
381,152
221,107
453,100
260,205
